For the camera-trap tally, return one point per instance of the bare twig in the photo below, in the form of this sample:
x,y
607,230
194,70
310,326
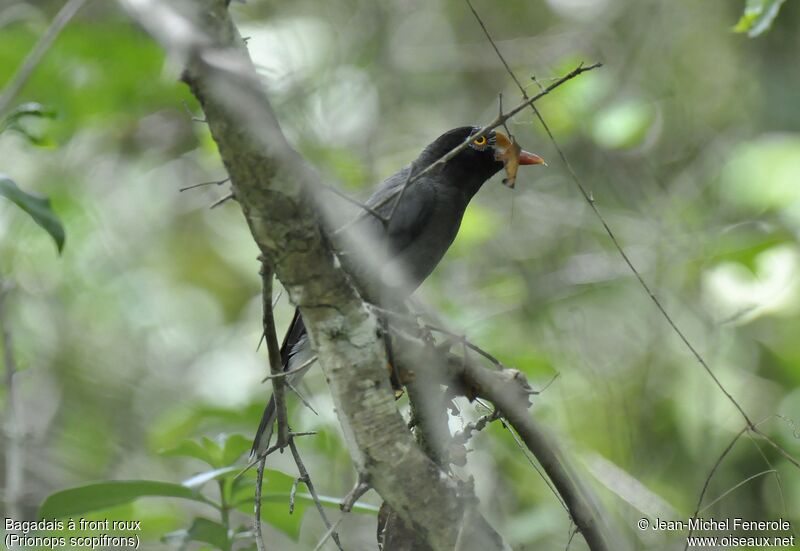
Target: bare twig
x,y
304,433
223,199
612,236
257,517
329,533
306,479
577,499
274,352
293,492
303,365
35,56
400,195
463,436
533,464
735,487
778,480
202,184
459,339
346,197
300,396
714,468
572,531
361,487
15,466
509,391
498,121
191,115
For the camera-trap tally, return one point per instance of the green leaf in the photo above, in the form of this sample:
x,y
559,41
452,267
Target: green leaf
x,y
214,451
204,530
37,207
198,480
102,495
28,110
219,453
190,448
233,447
31,109
758,17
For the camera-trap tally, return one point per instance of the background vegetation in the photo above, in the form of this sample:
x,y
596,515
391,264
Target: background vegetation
x,y
141,336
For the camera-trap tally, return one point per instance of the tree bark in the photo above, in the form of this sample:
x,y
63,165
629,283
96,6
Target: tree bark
x,y
275,188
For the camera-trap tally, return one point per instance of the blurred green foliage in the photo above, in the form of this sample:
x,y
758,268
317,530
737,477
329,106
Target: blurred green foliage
x,y
37,207
142,336
758,16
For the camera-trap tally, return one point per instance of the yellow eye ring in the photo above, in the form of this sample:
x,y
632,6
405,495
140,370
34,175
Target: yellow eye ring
x,y
480,141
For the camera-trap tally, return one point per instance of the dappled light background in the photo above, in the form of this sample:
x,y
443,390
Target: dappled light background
x,y
143,333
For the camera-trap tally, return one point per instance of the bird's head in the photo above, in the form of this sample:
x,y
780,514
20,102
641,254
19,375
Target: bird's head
x,y
480,160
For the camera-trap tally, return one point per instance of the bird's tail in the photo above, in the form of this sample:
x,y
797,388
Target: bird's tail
x,y
264,432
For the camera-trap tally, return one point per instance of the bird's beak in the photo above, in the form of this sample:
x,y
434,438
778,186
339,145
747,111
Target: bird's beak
x,y
528,158
512,155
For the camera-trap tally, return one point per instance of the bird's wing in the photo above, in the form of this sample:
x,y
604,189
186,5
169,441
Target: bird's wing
x,y
295,332
407,221
409,218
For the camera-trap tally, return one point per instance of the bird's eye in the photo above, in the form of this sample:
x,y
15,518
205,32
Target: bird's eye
x,y
479,141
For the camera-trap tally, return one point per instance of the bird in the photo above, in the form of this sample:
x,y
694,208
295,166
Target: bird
x,y
405,247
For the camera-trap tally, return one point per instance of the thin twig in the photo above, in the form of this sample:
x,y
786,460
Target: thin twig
x,y
460,339
361,487
300,396
717,463
532,463
257,518
304,433
303,365
789,421
739,485
202,184
463,436
590,200
498,121
306,479
573,530
15,465
329,533
223,199
269,452
293,493
274,351
189,111
35,56
346,197
400,195
572,493
778,480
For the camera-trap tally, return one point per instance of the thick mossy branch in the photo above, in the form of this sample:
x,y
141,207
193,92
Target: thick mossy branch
x,y
275,186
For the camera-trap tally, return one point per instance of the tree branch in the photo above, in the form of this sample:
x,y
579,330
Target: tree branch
x,y
509,391
274,187
274,352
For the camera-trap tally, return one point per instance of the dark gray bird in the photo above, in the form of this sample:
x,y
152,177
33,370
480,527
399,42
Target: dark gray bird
x,y
404,251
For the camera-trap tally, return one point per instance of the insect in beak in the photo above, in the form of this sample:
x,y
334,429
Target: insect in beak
x,y
512,155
